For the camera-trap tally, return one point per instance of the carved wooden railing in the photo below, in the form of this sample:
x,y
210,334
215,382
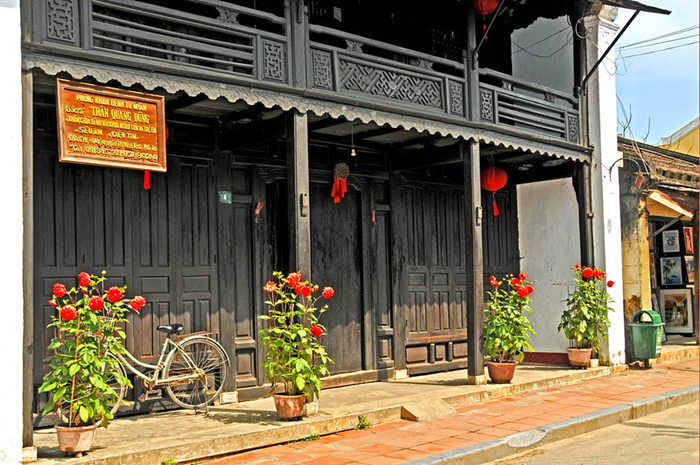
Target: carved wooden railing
x,y
506,100
251,46
360,67
211,34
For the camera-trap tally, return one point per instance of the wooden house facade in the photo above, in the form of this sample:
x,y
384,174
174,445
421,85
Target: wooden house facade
x,y
263,98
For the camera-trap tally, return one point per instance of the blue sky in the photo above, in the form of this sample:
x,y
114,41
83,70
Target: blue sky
x,y
660,88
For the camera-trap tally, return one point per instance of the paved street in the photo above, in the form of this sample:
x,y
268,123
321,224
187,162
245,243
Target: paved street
x,y
669,437
404,441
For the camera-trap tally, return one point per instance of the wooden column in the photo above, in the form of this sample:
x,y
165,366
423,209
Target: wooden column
x,y
28,256
582,185
472,68
298,193
469,151
299,34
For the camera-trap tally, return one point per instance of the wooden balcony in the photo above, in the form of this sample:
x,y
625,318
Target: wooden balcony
x,y
224,43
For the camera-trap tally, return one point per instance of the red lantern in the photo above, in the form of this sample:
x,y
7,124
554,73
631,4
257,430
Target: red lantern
x,y
485,8
493,179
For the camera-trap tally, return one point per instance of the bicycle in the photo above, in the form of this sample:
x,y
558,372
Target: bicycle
x,y
193,371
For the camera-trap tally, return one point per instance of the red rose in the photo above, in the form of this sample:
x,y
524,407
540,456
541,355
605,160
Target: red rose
x,y
84,279
328,292
96,303
68,313
59,290
515,282
530,289
522,291
293,279
114,294
137,303
52,303
316,330
597,273
493,281
523,276
578,267
270,287
611,283
587,272
306,291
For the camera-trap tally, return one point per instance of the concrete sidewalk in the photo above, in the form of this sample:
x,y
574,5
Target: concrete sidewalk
x,y
454,419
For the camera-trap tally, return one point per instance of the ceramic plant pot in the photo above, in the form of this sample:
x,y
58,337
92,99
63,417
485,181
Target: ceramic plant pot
x,y
289,407
579,357
501,373
77,439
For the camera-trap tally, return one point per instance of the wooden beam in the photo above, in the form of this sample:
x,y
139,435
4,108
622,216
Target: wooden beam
x,y
474,261
298,192
183,102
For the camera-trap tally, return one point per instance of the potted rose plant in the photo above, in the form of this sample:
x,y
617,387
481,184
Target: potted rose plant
x,y
506,326
294,357
585,320
82,374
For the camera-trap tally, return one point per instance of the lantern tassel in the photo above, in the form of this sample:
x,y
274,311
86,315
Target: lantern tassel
x,y
495,207
146,179
485,36
339,189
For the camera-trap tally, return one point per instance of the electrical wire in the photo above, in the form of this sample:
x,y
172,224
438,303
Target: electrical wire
x,y
661,50
568,42
663,36
524,49
657,43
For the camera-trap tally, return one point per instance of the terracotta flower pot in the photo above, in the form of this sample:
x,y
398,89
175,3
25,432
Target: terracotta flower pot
x,y
579,357
289,407
76,439
501,373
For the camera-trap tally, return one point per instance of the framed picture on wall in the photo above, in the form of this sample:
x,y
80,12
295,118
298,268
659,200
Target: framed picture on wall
x,y
690,268
688,239
671,273
670,241
655,304
677,310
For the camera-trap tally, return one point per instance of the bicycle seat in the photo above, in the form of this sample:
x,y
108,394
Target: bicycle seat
x,y
175,328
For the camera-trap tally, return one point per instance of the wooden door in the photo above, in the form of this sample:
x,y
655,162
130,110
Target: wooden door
x,y
336,261
435,276
160,242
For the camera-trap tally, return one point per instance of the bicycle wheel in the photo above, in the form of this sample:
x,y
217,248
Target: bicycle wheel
x,y
115,377
210,365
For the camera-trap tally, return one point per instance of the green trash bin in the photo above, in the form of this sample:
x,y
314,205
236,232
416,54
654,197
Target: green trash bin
x,y
646,332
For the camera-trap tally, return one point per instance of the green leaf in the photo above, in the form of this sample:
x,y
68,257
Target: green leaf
x,y
84,414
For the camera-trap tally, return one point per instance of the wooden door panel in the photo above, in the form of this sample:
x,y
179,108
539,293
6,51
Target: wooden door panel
x,y
435,277
336,251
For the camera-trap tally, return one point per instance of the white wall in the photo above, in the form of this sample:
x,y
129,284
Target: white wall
x,y
11,211
548,55
607,230
549,247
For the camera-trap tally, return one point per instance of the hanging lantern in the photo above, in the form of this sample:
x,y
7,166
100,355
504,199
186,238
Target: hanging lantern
x,y
340,175
493,179
485,8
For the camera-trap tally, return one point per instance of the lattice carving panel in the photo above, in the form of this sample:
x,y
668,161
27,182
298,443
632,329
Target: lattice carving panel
x,y
378,82
61,20
273,61
322,64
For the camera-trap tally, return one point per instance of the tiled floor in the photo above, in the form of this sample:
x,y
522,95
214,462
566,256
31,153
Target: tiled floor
x,y
403,441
